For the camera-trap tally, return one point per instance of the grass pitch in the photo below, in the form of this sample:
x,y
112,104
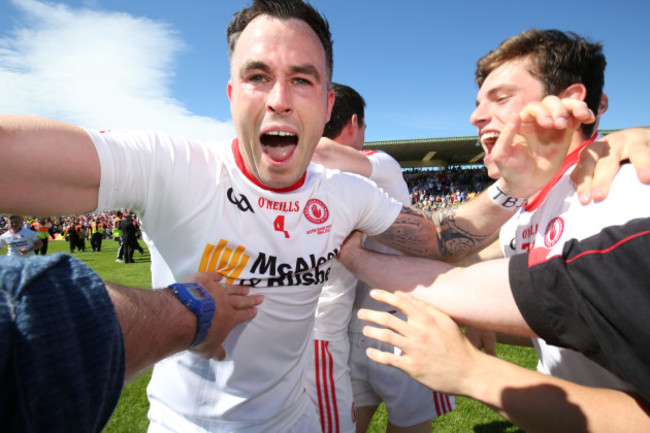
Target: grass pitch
x,y
130,416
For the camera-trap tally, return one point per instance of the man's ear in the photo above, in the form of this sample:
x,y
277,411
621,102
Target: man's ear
x,y
330,103
604,104
574,91
353,124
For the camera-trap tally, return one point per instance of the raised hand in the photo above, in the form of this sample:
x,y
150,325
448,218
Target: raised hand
x,y
599,162
533,144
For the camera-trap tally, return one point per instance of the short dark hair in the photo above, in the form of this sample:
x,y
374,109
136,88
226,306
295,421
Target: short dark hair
x,y
284,9
346,103
558,59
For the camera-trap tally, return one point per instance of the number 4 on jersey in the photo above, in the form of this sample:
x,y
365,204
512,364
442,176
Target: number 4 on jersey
x,y
278,225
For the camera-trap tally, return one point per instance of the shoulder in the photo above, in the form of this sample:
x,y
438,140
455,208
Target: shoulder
x,y
380,157
150,140
344,178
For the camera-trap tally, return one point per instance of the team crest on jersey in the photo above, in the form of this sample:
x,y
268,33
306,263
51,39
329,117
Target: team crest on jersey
x,y
316,211
554,231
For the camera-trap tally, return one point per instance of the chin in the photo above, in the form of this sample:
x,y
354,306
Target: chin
x,y
493,172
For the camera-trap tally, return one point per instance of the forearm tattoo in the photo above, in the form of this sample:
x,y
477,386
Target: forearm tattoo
x,y
430,234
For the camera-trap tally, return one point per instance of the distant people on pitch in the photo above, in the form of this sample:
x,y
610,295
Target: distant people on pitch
x,y
20,241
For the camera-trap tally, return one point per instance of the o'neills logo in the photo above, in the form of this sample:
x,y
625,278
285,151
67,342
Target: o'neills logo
x,y
281,206
316,211
554,231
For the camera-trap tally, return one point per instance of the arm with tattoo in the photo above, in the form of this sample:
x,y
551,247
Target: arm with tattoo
x,y
446,234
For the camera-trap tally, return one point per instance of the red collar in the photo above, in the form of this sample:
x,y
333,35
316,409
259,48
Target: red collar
x,y
570,160
240,163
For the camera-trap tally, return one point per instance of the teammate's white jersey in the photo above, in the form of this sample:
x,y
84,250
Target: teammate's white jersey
x,y
407,401
204,212
385,170
328,380
24,238
334,309
556,216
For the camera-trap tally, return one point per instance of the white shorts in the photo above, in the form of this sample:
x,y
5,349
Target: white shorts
x,y
327,380
301,419
407,401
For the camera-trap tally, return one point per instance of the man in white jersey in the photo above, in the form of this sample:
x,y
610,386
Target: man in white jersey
x,y
21,241
338,388
258,212
523,69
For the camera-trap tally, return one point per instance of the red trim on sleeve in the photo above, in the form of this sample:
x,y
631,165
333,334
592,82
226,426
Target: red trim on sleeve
x,y
540,254
610,249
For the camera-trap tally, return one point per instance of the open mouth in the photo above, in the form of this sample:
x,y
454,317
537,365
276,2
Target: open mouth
x,y
489,139
279,145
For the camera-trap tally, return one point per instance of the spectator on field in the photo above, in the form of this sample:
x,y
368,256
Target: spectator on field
x,y
21,241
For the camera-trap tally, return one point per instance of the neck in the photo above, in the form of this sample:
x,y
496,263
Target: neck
x,y
577,140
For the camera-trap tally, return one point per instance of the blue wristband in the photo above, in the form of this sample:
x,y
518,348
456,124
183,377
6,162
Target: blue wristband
x,y
199,302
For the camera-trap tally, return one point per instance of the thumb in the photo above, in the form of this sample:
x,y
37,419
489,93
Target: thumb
x,y
221,353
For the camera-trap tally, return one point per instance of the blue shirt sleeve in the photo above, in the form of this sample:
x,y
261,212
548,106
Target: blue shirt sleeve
x,y
61,347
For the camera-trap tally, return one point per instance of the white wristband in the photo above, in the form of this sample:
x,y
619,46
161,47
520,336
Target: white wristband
x,y
502,199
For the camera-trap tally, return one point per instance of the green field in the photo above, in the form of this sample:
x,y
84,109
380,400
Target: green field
x,y
130,415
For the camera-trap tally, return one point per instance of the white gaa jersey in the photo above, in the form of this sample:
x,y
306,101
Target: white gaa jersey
x,y
556,216
334,310
204,212
24,238
387,174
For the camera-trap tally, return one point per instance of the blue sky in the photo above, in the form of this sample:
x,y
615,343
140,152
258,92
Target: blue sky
x,y
112,64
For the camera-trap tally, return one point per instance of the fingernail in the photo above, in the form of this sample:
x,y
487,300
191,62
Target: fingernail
x,y
598,193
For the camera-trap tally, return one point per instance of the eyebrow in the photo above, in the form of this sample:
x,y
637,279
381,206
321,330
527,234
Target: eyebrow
x,y
307,70
256,65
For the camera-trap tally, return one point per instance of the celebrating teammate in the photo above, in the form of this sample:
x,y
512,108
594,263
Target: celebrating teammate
x,y
521,70
353,377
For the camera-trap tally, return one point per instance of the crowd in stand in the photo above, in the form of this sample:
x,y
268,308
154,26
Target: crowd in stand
x,y
434,189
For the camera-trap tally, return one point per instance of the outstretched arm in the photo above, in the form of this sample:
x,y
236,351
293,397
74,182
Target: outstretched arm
x,y
437,354
336,155
54,147
477,296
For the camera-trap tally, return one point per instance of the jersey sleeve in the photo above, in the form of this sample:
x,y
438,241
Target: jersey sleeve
x,y
592,298
387,174
148,171
371,210
61,329
34,236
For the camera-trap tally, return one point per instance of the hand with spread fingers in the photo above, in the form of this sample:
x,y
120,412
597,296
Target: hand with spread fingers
x,y
434,350
599,162
533,144
233,305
